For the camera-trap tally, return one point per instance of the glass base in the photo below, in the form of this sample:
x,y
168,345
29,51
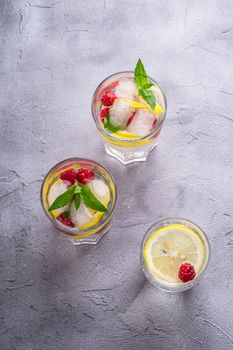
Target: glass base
x,y
128,155
93,239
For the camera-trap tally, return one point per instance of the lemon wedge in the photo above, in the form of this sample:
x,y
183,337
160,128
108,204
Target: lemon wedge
x,y
168,248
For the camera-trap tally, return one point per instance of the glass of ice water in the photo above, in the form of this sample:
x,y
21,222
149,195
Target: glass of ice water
x,y
128,126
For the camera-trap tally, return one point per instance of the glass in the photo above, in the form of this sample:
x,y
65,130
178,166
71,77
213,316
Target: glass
x,y
130,150
168,286
93,234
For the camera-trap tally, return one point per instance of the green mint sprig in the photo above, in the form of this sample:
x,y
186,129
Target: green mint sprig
x,y
64,199
77,201
90,200
79,193
108,126
144,84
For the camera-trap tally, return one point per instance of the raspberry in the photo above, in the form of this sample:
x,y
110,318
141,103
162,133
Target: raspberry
x,y
113,84
154,123
108,98
68,175
186,272
84,175
131,118
65,220
103,114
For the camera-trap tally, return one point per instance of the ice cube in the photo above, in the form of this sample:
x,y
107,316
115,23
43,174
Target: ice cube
x,y
82,216
55,191
100,190
126,88
142,123
120,113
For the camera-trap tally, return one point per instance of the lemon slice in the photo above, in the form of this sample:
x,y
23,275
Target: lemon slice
x,y
158,109
126,135
96,219
138,105
168,248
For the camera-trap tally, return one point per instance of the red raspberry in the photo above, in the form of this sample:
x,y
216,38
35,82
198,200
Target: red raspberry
x,y
154,123
65,220
108,98
84,175
68,175
103,114
131,118
113,84
186,272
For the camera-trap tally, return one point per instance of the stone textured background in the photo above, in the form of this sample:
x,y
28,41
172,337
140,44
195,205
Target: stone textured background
x,y
53,54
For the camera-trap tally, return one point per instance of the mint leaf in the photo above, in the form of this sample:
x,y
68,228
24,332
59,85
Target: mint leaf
x,y
64,199
109,126
77,201
148,96
147,86
140,76
90,200
66,214
78,189
143,83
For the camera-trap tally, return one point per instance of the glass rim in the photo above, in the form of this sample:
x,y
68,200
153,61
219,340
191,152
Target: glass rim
x,y
123,140
181,286
71,229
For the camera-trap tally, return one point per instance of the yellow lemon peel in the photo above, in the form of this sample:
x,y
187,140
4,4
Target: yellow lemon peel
x,y
139,105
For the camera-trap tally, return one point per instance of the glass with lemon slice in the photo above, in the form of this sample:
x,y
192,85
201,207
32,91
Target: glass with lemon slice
x,y
169,246
94,191
132,130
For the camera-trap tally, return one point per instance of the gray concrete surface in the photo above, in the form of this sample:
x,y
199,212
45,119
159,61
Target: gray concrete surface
x,y
53,54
